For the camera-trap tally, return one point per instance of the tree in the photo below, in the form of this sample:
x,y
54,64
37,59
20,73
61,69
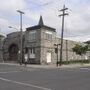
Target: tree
x,y
79,49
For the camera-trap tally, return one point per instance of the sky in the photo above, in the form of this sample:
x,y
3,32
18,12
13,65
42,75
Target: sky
x,y
77,23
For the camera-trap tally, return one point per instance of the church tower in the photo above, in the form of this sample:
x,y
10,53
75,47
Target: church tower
x,y
41,21
39,40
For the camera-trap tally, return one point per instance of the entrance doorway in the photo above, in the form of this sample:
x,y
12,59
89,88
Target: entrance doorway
x,y
13,52
48,57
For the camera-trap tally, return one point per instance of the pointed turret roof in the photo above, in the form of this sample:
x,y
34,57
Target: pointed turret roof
x,y
41,21
41,25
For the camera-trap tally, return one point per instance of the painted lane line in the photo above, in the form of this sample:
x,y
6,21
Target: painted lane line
x,y
9,72
25,84
85,69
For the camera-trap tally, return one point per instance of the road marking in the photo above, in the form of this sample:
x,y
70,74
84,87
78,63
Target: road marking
x,y
9,72
25,84
85,69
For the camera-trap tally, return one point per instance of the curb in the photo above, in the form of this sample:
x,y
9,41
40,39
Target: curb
x,y
48,66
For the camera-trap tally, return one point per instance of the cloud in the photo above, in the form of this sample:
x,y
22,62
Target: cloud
x,y
76,24
3,22
79,21
11,5
8,14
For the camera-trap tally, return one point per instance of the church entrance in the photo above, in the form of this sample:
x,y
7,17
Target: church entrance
x,y
13,53
48,57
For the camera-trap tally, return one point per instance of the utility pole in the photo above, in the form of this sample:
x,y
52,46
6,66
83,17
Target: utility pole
x,y
62,15
21,36
67,50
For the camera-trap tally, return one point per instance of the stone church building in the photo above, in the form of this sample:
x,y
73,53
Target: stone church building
x,y
1,46
39,42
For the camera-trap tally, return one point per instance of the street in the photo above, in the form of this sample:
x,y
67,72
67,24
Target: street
x,y
26,78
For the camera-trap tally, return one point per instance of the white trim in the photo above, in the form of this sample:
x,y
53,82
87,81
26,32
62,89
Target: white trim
x,y
32,56
48,32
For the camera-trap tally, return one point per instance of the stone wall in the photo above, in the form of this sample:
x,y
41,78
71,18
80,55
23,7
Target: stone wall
x,y
11,39
42,46
1,47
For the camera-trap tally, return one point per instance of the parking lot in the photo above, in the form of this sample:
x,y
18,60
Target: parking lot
x,y
15,77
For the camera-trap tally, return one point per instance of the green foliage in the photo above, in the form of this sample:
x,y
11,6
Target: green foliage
x,y
88,46
79,49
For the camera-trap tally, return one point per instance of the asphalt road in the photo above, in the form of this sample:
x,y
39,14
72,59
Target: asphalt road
x,y
26,78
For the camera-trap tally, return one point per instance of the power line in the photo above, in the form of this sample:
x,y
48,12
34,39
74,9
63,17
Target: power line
x,y
44,4
78,35
68,34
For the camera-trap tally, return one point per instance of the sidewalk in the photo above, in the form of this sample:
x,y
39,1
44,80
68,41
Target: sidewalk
x,y
48,66
62,66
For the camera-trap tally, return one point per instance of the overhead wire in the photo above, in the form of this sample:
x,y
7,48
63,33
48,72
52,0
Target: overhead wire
x,y
45,5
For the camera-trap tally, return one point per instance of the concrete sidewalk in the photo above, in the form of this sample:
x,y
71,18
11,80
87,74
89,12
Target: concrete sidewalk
x,y
62,66
48,66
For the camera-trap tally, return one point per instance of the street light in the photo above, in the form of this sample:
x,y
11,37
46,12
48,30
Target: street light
x,y
21,48
57,52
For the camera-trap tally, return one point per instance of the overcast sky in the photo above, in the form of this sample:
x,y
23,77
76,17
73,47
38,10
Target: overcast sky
x,y
77,23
